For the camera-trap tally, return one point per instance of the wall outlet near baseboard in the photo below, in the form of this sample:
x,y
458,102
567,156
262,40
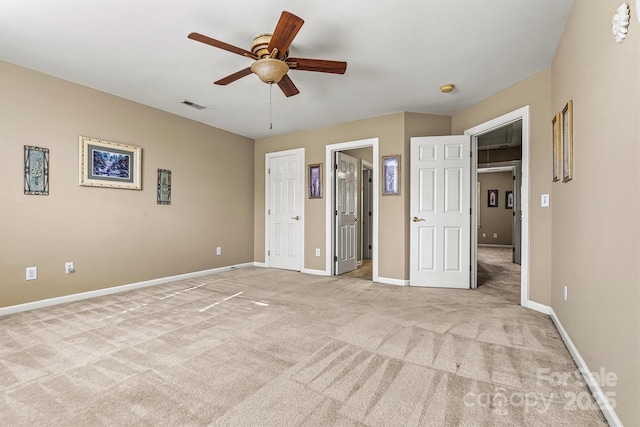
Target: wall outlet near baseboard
x,y
218,250
495,235
32,273
69,268
565,292
317,251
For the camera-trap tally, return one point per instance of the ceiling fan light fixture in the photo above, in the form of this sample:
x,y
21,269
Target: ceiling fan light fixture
x,y
270,70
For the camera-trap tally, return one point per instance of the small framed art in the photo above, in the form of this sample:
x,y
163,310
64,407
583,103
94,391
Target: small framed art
x,y
492,198
315,181
567,142
110,164
508,199
391,175
164,187
36,171
557,147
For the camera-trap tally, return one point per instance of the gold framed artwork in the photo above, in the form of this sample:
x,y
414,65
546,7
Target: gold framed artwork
x,y
557,147
110,164
567,141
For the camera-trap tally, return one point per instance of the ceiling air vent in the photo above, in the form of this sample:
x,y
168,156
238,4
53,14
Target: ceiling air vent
x,y
192,104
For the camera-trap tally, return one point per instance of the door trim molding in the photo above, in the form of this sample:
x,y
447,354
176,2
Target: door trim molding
x,y
519,114
267,158
329,201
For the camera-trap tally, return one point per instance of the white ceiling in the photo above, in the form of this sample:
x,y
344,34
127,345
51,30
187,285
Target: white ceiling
x,y
399,53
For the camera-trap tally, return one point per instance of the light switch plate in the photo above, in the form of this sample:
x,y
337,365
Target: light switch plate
x,y
544,200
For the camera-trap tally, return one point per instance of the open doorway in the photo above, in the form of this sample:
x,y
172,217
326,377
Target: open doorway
x,y
520,130
362,266
365,153
499,210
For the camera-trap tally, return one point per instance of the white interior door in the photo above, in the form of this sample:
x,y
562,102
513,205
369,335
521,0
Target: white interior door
x,y
517,214
285,210
441,211
367,212
346,208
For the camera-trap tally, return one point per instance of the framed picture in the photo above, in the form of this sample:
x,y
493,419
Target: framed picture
x,y
508,200
492,198
164,187
110,164
36,171
557,147
391,175
315,181
567,142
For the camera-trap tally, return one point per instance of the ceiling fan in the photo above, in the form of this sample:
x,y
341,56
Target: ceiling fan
x,y
271,55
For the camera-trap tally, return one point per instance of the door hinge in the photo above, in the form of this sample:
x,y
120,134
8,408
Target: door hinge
x,y
268,253
470,211
471,154
268,211
370,247
336,212
369,213
370,180
335,258
335,166
269,171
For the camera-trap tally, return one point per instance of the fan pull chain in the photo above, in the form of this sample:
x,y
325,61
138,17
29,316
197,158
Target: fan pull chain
x,y
270,91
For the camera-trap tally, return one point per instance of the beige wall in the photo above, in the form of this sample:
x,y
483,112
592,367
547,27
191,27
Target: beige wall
x,y
114,236
534,91
596,218
393,132
495,220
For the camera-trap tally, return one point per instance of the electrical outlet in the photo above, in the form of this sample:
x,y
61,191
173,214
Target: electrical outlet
x,y
565,292
68,267
495,235
484,234
218,250
317,251
32,273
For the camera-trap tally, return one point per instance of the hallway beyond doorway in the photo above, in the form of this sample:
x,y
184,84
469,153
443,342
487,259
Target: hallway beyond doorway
x,y
497,274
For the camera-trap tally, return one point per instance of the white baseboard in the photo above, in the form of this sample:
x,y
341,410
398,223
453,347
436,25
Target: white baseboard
x,y
489,245
112,290
260,264
315,272
606,408
388,281
538,307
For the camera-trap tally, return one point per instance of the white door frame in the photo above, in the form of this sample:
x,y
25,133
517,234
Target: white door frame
x,y
519,114
330,201
267,159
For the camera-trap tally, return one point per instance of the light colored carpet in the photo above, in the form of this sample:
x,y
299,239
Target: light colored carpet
x,y
261,347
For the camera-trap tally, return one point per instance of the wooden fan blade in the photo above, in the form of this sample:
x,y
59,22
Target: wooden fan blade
x,y
286,30
319,65
221,45
233,77
287,86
